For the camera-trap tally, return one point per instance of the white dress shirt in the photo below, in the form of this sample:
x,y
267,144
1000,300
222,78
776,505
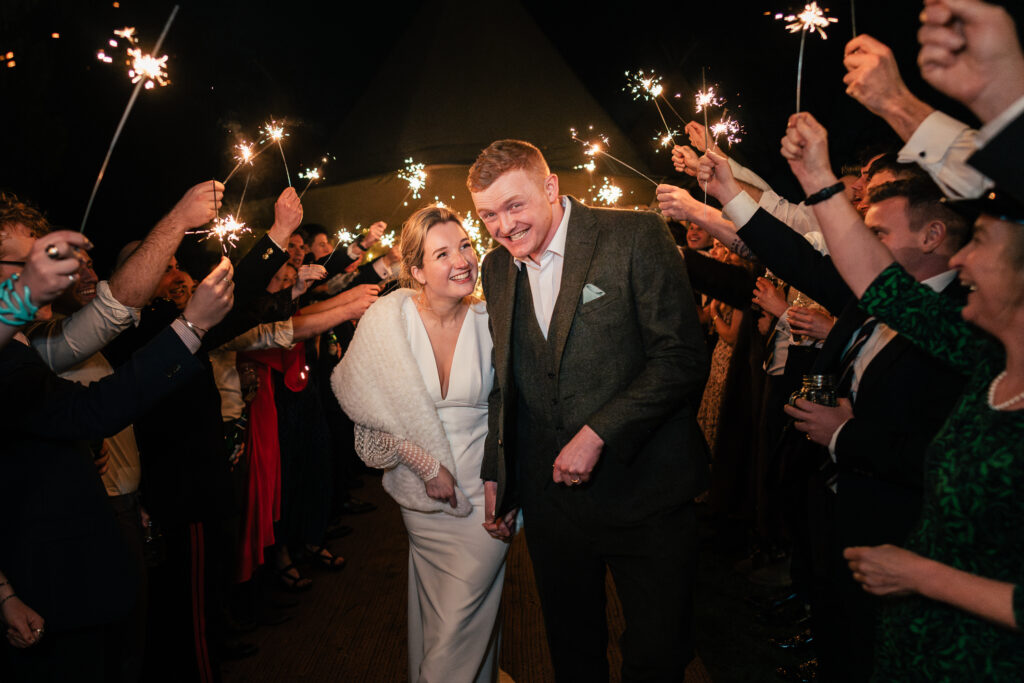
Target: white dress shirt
x,y
941,146
546,276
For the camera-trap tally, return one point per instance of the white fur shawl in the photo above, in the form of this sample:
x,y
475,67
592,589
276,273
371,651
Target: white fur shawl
x,y
379,386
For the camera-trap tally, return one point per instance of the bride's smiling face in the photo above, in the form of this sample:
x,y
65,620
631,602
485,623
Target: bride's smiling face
x,y
449,267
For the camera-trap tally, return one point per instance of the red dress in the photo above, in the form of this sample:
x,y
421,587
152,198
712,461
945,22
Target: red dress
x,y
263,498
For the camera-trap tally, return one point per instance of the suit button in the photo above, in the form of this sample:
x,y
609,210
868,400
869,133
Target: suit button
x,y
551,375
267,254
500,443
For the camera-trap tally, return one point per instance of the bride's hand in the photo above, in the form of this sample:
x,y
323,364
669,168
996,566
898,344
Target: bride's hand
x,y
442,487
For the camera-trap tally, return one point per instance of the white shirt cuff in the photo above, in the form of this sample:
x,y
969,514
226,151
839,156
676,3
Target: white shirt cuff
x,y
933,137
382,269
740,209
354,251
834,440
113,310
745,175
282,248
189,338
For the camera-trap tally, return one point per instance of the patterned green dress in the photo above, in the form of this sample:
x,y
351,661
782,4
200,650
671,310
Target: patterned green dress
x,y
973,513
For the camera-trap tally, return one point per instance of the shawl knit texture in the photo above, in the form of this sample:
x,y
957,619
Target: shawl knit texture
x,y
379,385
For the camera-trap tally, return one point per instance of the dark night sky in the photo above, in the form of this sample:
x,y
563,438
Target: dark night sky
x,y
232,64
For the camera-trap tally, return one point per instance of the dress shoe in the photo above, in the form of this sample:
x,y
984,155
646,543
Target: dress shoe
x,y
803,673
794,642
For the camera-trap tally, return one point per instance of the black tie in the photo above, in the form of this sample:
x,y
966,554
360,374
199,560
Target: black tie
x,y
846,375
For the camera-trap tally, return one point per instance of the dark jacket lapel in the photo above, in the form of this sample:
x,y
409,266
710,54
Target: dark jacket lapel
x,y
580,240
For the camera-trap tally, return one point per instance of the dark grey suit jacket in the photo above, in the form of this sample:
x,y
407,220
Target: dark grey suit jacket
x,y
631,364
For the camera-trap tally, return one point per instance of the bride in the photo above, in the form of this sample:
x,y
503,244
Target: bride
x,y
415,382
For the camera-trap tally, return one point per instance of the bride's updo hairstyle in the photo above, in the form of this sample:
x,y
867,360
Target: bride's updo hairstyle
x,y
414,233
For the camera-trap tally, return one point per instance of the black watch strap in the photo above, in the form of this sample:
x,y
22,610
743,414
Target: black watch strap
x,y
825,193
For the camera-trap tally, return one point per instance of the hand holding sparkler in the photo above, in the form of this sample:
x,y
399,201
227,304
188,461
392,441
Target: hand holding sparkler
x,y
970,51
287,216
358,299
308,274
375,232
199,205
805,146
677,203
715,176
873,79
685,160
212,299
697,134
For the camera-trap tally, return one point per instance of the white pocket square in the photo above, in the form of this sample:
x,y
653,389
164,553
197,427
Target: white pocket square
x,y
591,292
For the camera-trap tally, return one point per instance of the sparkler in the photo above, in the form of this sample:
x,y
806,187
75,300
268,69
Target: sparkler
x,y
312,174
228,230
592,149
481,241
648,87
139,84
274,133
811,19
853,17
728,127
244,156
142,67
388,240
665,139
609,193
344,238
414,174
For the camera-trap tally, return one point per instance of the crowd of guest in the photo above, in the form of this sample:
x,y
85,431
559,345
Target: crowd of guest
x,y
171,422
863,414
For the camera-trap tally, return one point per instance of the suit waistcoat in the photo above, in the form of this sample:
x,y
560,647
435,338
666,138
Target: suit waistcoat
x,y
533,362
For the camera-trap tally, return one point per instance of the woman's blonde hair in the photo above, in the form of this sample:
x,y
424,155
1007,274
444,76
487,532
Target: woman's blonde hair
x,y
414,233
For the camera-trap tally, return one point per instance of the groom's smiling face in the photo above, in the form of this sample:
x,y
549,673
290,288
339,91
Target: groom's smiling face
x,y
517,210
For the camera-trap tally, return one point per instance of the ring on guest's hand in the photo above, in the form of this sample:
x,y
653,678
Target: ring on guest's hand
x,y
71,277
575,481
53,252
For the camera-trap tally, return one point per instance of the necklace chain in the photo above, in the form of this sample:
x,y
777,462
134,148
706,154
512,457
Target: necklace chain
x,y
992,394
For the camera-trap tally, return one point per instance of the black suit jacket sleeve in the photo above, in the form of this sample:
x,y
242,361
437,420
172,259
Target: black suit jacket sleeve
x,y
676,356
52,408
1000,164
791,257
336,262
732,285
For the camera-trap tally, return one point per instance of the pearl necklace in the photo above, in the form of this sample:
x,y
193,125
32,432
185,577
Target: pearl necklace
x,y
992,394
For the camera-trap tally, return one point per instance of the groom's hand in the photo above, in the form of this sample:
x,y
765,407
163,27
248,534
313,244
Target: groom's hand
x,y
577,460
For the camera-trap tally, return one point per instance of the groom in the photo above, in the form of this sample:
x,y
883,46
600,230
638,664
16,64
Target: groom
x,y
599,365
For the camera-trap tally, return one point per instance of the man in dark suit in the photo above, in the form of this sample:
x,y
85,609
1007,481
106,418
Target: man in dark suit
x,y
599,364
895,396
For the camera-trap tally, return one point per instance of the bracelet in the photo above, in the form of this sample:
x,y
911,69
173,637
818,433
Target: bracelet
x,y
192,326
12,595
16,309
824,193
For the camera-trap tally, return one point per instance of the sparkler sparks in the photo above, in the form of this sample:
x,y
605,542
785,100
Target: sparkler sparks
x,y
708,98
647,86
274,133
414,174
812,19
227,229
729,128
346,237
666,139
142,67
592,149
388,240
609,193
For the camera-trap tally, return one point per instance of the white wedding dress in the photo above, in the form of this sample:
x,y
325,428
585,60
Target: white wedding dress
x,y
456,570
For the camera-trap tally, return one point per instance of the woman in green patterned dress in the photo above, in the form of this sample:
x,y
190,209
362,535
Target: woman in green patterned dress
x,y
958,587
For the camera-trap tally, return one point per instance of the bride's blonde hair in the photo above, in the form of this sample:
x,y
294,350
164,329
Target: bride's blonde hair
x,y
414,233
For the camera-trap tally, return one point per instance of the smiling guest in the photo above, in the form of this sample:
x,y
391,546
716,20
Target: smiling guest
x,y
959,576
415,381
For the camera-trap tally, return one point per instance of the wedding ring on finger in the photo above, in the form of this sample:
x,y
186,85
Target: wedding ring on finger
x,y
53,252
575,480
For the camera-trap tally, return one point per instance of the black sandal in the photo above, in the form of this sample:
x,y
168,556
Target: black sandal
x,y
294,583
326,558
